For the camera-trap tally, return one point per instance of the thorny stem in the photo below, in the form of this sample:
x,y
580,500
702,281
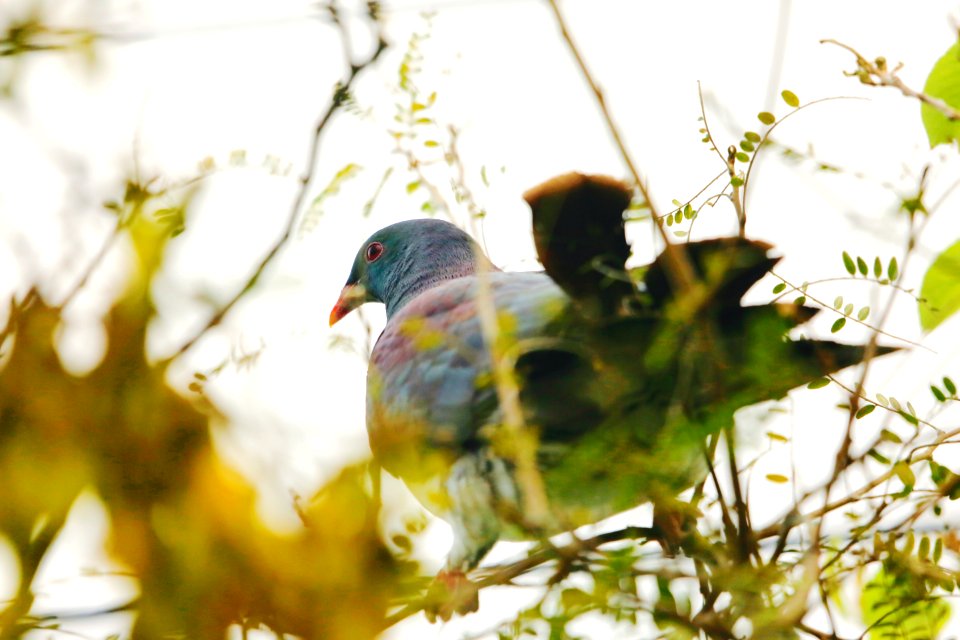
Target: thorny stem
x,y
306,179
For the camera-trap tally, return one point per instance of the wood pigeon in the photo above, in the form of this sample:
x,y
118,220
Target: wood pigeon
x,y
618,378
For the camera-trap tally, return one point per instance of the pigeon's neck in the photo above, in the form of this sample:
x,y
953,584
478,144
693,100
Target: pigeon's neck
x,y
425,274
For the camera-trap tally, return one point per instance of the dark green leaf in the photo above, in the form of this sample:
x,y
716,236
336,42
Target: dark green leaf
x,y
892,269
848,264
865,410
838,325
950,387
937,393
862,266
819,383
879,457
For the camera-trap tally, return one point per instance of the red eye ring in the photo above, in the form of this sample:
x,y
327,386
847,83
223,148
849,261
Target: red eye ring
x,y
373,252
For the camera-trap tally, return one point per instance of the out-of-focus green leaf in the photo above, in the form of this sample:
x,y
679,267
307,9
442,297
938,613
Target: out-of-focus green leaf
x,y
940,292
943,83
896,603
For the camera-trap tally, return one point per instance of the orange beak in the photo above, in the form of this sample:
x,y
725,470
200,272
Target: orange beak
x,y
351,297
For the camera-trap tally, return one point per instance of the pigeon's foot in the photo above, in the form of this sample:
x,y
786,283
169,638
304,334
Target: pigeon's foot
x,y
451,592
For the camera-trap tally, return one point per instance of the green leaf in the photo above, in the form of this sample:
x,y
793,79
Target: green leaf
x,y
838,302
943,83
865,410
736,181
790,98
800,301
742,157
780,287
950,387
879,457
848,264
766,117
877,267
776,477
862,265
905,473
940,291
897,603
747,146
937,393
838,325
890,436
413,186
752,136
863,313
819,383
892,270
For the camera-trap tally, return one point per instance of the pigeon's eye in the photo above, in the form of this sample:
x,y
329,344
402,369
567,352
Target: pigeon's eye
x,y
374,251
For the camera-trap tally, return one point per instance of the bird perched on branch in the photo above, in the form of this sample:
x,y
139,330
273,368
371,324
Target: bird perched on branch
x,y
523,404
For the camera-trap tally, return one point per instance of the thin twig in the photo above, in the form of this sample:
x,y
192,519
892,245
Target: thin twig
x,y
877,74
503,574
340,95
681,272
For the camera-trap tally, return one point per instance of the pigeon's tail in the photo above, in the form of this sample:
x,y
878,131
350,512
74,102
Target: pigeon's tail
x,y
578,231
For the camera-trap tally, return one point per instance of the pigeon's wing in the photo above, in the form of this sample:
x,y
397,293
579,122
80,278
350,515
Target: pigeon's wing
x,y
430,385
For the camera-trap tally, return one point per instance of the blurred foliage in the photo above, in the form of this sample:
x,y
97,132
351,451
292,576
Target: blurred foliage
x,y
31,33
182,521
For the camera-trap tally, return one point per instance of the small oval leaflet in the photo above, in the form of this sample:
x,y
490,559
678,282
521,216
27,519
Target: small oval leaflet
x,y
838,325
790,98
778,478
865,410
766,117
819,383
848,264
950,387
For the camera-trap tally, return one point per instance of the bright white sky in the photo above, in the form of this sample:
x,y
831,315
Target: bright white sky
x,y
183,80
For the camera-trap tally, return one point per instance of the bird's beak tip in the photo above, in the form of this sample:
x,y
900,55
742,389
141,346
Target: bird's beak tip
x,y
351,297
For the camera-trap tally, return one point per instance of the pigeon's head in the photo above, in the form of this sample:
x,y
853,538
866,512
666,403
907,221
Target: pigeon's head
x,y
400,261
